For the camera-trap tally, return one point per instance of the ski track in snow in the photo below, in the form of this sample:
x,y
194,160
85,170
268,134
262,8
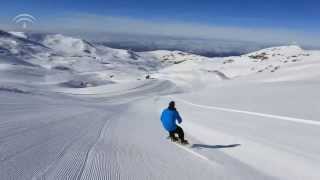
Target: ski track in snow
x,y
284,118
194,153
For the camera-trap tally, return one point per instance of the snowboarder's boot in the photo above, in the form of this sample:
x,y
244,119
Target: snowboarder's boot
x,y
183,142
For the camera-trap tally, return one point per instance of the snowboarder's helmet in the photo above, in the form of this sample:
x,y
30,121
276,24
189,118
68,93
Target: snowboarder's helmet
x,y
172,105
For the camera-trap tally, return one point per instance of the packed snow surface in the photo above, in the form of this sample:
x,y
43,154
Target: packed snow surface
x,y
74,110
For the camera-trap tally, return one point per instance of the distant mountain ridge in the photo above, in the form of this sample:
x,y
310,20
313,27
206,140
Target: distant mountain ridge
x,y
83,62
203,47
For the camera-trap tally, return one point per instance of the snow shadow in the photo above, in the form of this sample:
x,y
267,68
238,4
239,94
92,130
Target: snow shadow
x,y
205,146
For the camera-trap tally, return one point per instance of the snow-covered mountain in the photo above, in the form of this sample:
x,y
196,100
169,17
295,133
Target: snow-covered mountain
x,y
75,59
272,64
73,62
55,51
20,49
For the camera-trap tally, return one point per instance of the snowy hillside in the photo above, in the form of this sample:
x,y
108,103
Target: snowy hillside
x,y
75,110
272,64
67,60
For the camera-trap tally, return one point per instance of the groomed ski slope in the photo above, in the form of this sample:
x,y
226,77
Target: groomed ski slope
x,y
55,136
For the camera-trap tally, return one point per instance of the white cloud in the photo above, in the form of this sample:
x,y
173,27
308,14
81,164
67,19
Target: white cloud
x,y
88,23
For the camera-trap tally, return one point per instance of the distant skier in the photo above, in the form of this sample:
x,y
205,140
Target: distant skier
x,y
169,117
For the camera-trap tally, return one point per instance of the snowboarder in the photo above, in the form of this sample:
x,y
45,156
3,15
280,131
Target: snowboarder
x,y
169,117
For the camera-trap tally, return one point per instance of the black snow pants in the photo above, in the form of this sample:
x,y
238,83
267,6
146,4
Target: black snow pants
x,y
178,131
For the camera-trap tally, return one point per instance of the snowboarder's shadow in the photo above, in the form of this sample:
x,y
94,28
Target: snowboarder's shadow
x,y
205,146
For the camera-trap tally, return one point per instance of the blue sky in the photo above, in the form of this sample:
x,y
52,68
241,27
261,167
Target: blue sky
x,y
299,19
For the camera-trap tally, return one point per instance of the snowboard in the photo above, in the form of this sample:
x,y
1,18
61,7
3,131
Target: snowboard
x,y
179,142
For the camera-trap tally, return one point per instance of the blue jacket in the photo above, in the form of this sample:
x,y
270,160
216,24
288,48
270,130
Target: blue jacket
x,y
168,119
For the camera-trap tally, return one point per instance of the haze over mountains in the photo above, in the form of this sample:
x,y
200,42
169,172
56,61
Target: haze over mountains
x,y
140,43
204,47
